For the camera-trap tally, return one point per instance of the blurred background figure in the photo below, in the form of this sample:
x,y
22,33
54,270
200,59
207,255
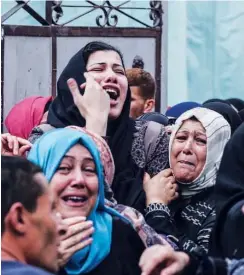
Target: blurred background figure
x,y
138,62
142,86
27,114
178,109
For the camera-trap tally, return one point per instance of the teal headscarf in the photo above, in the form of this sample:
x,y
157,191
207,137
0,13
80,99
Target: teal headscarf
x,y
48,152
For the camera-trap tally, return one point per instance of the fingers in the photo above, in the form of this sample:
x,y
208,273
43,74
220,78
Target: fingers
x,y
156,257
73,220
172,269
166,173
80,246
75,229
65,254
83,85
23,141
24,149
15,145
77,238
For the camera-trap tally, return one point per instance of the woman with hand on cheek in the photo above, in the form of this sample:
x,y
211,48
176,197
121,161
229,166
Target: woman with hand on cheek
x,y
99,240
180,201
93,92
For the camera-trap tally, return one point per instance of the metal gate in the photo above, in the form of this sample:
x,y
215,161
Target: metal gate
x,y
33,56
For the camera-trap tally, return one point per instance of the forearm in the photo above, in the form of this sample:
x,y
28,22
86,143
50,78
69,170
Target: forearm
x,y
98,126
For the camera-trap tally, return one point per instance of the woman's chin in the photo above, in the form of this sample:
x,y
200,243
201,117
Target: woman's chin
x,y
186,179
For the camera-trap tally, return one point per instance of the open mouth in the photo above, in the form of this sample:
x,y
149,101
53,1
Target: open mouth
x,y
75,200
113,93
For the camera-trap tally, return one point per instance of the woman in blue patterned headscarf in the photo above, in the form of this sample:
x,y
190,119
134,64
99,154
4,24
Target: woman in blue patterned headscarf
x,y
71,162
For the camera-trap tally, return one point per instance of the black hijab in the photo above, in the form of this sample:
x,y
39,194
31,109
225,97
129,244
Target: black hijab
x,y
63,112
227,237
216,100
241,114
237,103
227,112
156,117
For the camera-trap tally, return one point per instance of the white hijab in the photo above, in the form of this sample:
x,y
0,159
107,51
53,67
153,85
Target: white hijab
x,y
218,132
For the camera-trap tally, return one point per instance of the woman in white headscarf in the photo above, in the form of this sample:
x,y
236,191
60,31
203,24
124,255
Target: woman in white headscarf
x,y
180,200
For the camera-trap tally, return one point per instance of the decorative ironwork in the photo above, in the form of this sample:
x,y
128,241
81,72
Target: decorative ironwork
x,y
106,19
109,16
156,13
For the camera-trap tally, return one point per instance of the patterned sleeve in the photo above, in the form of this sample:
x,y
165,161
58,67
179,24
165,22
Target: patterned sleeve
x,y
159,160
153,153
162,221
35,134
235,267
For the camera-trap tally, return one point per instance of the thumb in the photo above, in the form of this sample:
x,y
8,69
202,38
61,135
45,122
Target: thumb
x,y
146,178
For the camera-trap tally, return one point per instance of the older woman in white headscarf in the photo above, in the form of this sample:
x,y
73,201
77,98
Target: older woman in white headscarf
x,y
180,200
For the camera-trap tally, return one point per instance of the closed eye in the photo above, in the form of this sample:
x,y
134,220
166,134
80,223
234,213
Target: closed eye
x,y
203,141
64,169
120,72
96,70
181,137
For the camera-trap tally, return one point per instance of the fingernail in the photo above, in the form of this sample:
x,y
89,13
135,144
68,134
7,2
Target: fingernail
x,y
90,222
70,81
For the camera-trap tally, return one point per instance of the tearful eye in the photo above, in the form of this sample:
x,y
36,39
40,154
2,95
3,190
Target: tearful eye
x,y
203,141
181,138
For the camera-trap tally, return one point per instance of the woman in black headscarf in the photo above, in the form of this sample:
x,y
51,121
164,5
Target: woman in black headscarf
x,y
127,139
228,234
227,112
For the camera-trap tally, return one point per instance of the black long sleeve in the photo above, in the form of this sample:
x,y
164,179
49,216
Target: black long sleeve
x,y
191,228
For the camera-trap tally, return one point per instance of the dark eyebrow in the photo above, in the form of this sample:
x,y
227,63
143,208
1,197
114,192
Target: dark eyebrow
x,y
104,63
85,159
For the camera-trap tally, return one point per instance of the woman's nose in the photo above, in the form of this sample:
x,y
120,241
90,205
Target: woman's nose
x,y
110,76
78,179
187,146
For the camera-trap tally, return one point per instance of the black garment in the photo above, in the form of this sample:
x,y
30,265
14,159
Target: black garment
x,y
237,103
63,112
18,268
126,250
241,114
227,237
216,100
227,112
191,223
213,266
156,117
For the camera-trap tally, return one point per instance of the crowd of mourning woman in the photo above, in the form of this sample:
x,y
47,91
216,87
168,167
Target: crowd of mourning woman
x,y
88,188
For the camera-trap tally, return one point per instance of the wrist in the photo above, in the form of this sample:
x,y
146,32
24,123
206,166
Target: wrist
x,y
155,200
98,126
152,207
